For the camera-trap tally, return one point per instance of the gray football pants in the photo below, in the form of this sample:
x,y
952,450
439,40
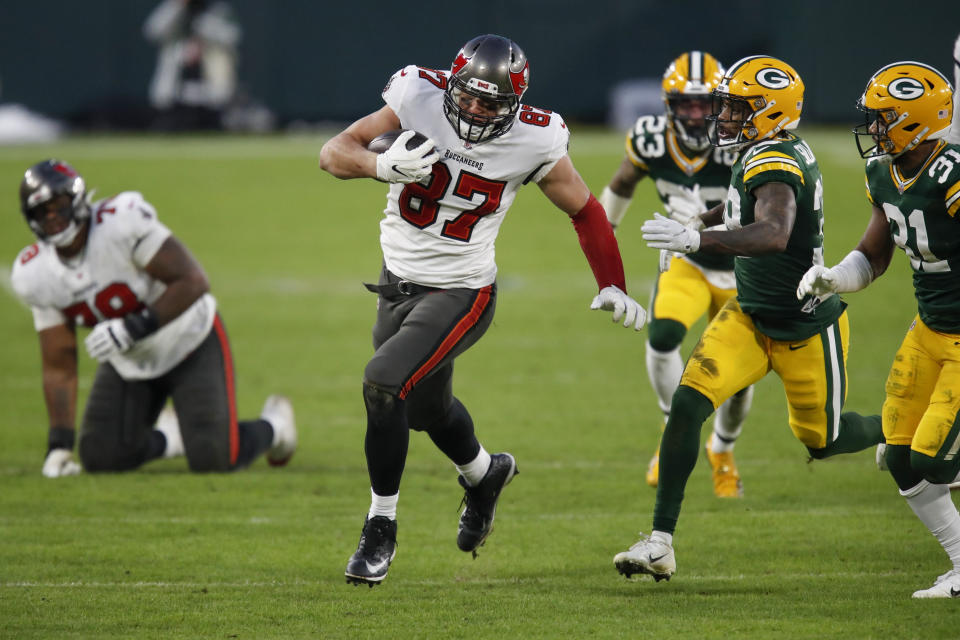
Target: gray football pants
x,y
117,425
417,337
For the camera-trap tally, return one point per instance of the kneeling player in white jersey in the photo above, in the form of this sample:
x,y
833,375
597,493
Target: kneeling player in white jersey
x,y
447,199
113,267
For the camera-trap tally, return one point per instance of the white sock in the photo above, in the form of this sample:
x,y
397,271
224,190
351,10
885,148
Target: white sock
x,y
383,505
474,470
728,421
932,504
662,536
664,369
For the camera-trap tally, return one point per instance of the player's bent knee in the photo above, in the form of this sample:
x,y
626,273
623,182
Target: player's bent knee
x,y
664,334
378,399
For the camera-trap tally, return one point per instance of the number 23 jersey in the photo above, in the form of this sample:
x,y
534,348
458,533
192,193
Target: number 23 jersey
x,y
109,280
922,214
441,232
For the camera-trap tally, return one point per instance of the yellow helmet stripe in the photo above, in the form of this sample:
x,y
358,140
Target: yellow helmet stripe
x,y
953,199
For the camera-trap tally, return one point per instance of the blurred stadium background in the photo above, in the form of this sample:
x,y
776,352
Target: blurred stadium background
x,y
88,63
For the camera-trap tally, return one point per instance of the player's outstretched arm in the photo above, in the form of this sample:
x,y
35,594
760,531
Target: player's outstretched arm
x,y
58,352
565,188
867,262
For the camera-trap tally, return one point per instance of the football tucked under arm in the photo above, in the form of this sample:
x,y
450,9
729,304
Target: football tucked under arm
x,y
403,155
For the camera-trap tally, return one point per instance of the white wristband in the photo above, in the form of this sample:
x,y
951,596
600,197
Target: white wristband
x,y
614,205
853,272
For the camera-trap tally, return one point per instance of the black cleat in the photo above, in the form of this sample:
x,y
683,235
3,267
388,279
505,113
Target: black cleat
x,y
476,521
378,545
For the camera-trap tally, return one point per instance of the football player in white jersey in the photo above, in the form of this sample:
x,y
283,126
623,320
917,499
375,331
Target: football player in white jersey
x,y
447,199
113,267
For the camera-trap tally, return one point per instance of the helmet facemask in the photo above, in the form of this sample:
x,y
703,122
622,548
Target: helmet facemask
x,y
54,185
904,105
740,116
688,83
487,80
758,98
501,110
696,133
876,125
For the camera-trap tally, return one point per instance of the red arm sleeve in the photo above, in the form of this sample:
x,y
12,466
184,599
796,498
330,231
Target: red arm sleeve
x,y
599,245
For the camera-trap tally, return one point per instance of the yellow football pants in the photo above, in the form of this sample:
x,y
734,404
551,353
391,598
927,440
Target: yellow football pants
x,y
733,354
923,393
684,294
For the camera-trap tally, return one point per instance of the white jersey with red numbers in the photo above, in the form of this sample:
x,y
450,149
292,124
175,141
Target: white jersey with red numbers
x,y
108,280
442,234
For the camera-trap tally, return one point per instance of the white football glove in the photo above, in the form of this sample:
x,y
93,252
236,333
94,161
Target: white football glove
x,y
664,233
399,164
611,298
60,463
819,281
686,205
108,338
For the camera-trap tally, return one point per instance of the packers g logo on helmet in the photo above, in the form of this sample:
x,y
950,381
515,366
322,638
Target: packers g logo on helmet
x,y
906,89
904,104
688,84
759,97
773,78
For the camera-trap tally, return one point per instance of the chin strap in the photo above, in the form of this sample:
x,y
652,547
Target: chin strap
x,y
599,244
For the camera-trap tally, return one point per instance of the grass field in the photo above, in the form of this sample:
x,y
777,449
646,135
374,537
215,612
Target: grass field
x,y
822,550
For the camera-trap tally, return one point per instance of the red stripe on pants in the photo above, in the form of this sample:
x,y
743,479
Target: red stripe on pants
x,y
465,324
231,388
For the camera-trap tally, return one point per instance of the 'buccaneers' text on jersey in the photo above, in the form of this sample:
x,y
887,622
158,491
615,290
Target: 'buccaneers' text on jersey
x,y
441,233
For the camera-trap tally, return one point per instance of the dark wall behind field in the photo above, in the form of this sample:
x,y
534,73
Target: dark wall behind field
x,y
326,60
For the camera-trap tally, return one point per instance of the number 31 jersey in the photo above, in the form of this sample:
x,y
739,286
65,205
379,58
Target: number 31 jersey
x,y
441,232
108,280
922,214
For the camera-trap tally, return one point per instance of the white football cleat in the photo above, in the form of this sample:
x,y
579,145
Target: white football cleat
x,y
647,556
946,586
169,426
881,456
278,411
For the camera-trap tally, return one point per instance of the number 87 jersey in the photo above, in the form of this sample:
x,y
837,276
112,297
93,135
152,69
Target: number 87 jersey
x,y
922,212
441,232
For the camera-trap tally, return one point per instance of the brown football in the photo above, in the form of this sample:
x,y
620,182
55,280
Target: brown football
x,y
385,140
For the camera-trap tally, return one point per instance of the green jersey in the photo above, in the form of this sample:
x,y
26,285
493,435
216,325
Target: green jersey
x,y
922,214
767,285
653,147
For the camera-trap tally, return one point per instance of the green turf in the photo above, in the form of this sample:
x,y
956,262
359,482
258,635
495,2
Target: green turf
x,y
822,550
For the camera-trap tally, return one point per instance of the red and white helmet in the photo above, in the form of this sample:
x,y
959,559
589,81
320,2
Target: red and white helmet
x,y
494,69
46,181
